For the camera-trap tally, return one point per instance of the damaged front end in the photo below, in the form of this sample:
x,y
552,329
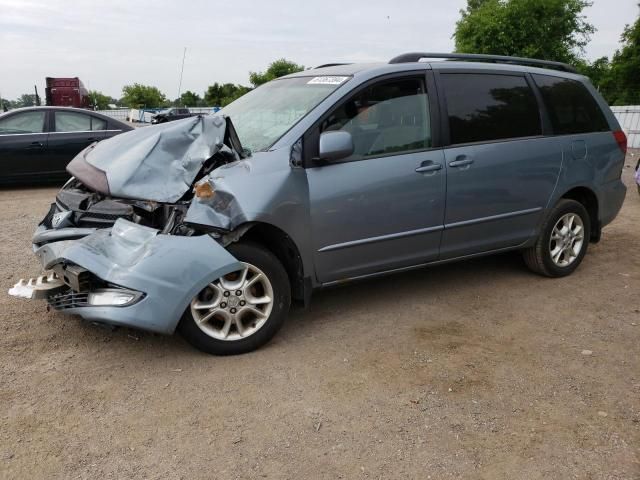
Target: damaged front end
x,y
145,176
132,275
115,245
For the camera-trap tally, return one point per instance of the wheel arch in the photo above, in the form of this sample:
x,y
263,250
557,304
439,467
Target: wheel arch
x,y
278,242
588,198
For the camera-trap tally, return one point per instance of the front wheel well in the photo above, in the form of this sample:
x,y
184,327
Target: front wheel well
x,y
589,200
285,249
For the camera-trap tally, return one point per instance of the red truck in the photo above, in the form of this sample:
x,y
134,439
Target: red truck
x,y
67,92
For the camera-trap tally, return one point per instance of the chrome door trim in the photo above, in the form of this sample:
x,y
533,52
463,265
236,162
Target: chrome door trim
x,y
500,216
380,238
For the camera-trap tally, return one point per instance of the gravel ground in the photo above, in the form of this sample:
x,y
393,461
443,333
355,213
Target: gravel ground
x,y
477,370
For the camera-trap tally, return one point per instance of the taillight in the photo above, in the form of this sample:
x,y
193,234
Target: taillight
x,y
621,139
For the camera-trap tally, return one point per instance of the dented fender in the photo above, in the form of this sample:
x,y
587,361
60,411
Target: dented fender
x,y
261,189
170,270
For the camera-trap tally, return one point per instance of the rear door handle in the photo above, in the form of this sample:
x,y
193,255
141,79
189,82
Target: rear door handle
x,y
36,145
461,162
429,167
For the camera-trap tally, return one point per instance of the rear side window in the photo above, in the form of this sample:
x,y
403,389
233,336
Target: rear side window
x,y
72,122
485,107
571,107
98,124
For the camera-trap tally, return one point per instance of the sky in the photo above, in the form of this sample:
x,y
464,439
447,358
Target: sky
x,y
109,44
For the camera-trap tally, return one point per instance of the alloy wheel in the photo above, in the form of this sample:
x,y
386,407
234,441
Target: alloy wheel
x,y
567,238
234,306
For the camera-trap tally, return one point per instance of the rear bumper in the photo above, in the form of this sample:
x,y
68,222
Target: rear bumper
x,y
612,196
167,270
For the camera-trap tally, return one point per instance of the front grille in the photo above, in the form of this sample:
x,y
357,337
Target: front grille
x,y
101,216
84,219
97,220
68,299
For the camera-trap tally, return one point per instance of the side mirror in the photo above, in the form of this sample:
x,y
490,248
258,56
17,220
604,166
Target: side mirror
x,y
335,146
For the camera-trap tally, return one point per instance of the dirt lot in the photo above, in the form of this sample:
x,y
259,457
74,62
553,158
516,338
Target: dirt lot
x,y
477,370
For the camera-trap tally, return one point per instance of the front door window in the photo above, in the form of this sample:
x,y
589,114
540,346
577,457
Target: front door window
x,y
26,122
388,118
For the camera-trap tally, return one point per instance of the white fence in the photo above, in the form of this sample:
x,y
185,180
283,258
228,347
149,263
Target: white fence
x,y
117,113
629,118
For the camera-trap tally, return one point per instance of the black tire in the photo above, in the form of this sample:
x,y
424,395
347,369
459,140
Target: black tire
x,y
538,258
267,262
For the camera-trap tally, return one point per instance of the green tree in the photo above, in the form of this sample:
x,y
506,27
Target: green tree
x,y
276,69
598,71
622,85
137,96
545,29
99,100
189,99
220,95
25,100
618,79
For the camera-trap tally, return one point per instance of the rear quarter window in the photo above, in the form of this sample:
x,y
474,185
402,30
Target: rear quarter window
x,y
487,107
572,109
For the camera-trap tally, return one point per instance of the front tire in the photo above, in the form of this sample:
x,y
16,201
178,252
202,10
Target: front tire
x,y
243,310
563,241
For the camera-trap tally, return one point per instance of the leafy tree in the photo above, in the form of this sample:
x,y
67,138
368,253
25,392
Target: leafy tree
x,y
622,85
25,100
189,99
598,71
137,96
473,4
618,79
276,69
99,100
220,95
545,29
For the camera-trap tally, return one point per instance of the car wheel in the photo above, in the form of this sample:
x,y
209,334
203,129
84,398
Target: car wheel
x,y
243,310
563,241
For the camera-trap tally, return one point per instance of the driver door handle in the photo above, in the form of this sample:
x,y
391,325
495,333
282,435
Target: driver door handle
x,y
429,166
461,161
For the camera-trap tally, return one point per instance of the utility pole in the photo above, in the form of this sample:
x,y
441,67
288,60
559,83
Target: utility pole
x,y
181,72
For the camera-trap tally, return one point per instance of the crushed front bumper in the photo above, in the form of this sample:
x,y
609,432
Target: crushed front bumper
x,y
164,271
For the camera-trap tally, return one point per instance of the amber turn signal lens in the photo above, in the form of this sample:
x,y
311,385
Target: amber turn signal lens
x,y
204,190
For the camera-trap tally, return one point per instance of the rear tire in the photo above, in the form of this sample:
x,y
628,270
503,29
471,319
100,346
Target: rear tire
x,y
563,241
241,311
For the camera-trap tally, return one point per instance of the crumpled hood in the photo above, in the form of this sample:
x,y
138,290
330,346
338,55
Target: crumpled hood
x,y
158,163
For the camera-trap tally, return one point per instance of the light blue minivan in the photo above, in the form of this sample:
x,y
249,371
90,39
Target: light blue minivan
x,y
213,225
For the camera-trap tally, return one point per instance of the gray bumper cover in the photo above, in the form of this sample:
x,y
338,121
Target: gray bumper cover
x,y
169,270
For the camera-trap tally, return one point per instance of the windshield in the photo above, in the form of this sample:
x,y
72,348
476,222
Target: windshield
x,y
263,115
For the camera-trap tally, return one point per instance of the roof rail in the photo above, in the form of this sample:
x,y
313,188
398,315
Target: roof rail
x,y
416,56
331,65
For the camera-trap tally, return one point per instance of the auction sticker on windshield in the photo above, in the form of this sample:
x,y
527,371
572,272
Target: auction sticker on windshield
x,y
327,80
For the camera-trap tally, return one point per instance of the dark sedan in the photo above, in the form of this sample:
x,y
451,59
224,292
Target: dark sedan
x,y
37,143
